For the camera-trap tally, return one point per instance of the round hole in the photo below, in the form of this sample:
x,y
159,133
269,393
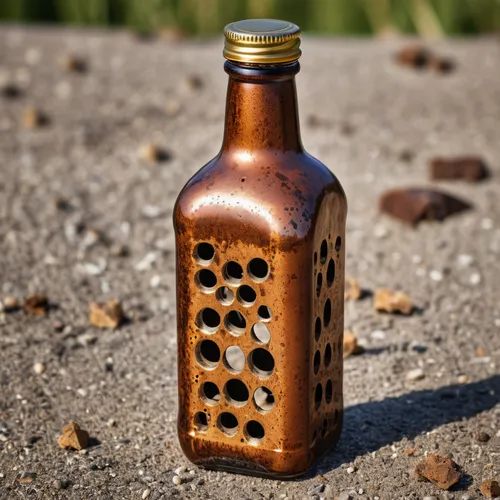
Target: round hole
x,y
324,428
315,259
338,244
235,323
246,295
228,423
317,329
330,273
204,253
264,313
201,421
263,399
208,320
318,396
254,432
233,273
225,295
323,252
234,359
210,393
208,354
317,362
236,392
327,313
328,355
260,333
258,269
328,391
261,362
206,280
319,283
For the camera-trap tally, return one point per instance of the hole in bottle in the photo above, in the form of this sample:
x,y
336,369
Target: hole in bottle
x,y
264,313
317,329
328,355
338,244
234,359
261,362
204,253
206,280
330,273
319,283
318,395
246,295
235,323
317,362
327,313
210,393
236,392
208,320
323,252
260,333
208,354
328,391
258,269
233,273
254,432
201,421
225,295
228,423
263,399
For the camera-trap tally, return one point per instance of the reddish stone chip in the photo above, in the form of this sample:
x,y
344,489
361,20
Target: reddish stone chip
x,y
467,168
36,305
414,55
490,488
73,437
413,205
441,471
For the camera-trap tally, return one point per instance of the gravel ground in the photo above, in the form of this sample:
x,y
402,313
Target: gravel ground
x,y
375,124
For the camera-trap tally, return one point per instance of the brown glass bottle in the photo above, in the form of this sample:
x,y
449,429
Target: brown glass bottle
x,y
260,238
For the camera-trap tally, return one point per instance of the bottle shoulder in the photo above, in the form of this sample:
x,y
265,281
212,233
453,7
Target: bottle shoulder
x,y
282,192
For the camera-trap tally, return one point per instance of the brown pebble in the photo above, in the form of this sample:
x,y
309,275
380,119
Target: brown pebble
x,y
415,56
74,64
409,451
33,118
480,352
467,168
152,153
118,250
193,82
443,65
62,204
490,488
36,305
26,477
351,345
483,437
441,471
414,205
73,437
106,315
352,289
386,300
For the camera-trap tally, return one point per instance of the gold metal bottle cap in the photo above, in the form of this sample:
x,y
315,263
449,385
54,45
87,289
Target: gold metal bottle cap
x,y
262,41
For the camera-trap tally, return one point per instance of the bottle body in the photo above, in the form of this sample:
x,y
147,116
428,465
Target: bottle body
x,y
260,234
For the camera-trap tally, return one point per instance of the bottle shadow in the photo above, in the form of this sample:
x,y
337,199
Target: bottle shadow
x,y
370,426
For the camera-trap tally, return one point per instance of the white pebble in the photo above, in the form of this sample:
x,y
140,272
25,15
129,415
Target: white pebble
x,y
435,275
475,279
465,260
486,223
152,211
380,231
146,262
378,335
39,368
155,281
350,470
416,374
416,259
177,480
82,392
32,55
145,494
180,470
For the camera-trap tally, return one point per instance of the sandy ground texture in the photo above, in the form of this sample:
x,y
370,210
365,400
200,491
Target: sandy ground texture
x,y
75,195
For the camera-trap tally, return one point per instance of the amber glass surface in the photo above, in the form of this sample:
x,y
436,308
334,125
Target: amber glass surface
x,y
260,239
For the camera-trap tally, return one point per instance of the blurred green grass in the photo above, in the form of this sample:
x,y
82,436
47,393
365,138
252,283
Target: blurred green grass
x,y
202,17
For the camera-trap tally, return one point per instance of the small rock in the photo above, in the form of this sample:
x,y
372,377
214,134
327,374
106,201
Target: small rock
x,y
177,480
469,169
490,488
86,339
352,289
351,345
378,335
180,470
152,153
465,260
416,374
111,422
350,470
191,82
36,305
118,250
386,300
435,275
10,304
483,437
413,205
430,498
39,368
106,315
33,118
172,108
480,352
26,477
155,281
414,56
463,379
441,471
11,91
475,279
146,262
57,484
316,489
145,494
443,64
152,211
73,437
345,496
74,64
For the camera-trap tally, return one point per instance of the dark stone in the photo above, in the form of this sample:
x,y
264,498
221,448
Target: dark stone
x,y
467,168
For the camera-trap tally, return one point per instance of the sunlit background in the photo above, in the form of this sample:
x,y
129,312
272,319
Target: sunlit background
x,y
201,17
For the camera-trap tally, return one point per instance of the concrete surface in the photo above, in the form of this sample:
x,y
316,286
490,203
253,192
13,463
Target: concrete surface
x,y
376,125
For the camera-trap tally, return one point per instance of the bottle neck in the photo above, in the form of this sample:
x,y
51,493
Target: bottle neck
x,y
261,108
